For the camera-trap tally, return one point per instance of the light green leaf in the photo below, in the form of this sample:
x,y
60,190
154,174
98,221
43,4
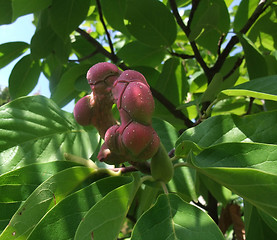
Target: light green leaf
x,y
247,169
146,25
35,130
262,88
138,54
104,220
256,64
23,7
62,94
24,77
63,219
172,218
10,51
45,197
68,15
259,127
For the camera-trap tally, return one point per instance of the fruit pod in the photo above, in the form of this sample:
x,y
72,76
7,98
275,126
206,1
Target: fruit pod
x,y
161,166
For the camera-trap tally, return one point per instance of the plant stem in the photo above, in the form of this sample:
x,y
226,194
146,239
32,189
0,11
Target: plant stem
x,y
86,162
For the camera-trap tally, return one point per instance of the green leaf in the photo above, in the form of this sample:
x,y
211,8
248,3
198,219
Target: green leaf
x,y
45,197
63,219
259,127
10,51
5,12
145,25
138,54
51,43
114,12
210,15
7,211
23,7
68,15
172,218
255,226
213,88
18,184
62,94
245,10
24,77
247,169
256,64
104,220
34,129
262,88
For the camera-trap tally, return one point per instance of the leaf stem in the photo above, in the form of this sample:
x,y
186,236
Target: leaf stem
x,y
85,162
164,188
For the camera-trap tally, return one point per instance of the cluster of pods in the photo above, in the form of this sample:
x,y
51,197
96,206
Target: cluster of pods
x,y
134,139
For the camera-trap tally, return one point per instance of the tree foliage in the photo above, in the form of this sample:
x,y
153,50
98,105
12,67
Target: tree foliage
x,y
212,70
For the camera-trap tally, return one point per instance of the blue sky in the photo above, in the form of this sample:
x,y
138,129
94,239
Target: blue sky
x,y
22,30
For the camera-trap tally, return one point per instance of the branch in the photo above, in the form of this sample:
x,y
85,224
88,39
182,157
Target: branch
x,y
84,58
234,40
236,66
181,55
186,30
194,5
171,108
104,25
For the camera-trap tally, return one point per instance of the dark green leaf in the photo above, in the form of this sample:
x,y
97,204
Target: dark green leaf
x,y
145,24
5,11
10,51
45,197
256,64
260,128
114,12
138,54
62,221
104,220
34,129
68,15
245,10
23,7
45,41
65,88
210,15
250,172
172,218
24,77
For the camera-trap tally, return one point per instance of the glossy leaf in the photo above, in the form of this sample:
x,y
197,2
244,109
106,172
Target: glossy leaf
x,y
68,15
260,128
35,130
262,88
62,221
172,218
46,196
161,31
250,172
24,77
138,54
10,51
104,220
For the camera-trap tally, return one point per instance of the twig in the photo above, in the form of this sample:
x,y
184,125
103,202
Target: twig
x,y
181,55
104,25
84,58
194,5
221,39
236,66
186,30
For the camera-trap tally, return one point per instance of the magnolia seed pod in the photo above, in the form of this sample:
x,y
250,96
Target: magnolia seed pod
x,y
161,166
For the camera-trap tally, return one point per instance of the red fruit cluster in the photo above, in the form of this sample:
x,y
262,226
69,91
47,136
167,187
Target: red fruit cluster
x,y
134,139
